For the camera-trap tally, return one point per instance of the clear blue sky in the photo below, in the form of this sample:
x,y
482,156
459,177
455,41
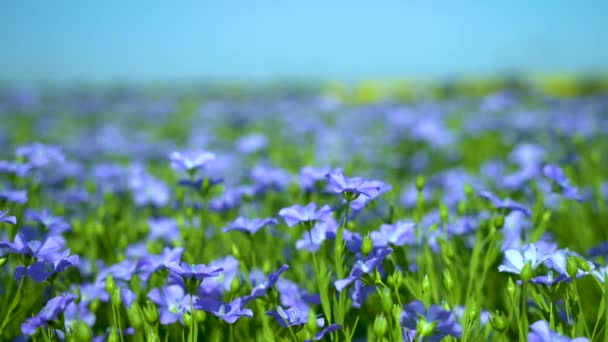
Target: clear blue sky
x,y
125,40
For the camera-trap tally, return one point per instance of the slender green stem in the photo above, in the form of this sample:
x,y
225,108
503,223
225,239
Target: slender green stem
x,y
580,305
14,303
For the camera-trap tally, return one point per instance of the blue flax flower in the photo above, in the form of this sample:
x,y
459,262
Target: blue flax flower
x,y
13,196
191,271
44,268
541,332
363,267
293,316
504,204
216,287
172,302
516,259
49,313
432,324
229,312
327,330
556,174
54,224
400,233
38,155
351,188
7,219
252,226
191,160
261,288
308,214
21,245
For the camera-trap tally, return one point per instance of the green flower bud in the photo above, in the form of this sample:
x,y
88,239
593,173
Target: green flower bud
x,y
95,305
473,312
443,212
546,217
426,284
468,190
396,312
424,328
134,316
499,322
235,284
380,326
499,222
81,331
511,288
571,267
448,281
582,264
113,337
187,319
386,300
110,284
152,336
199,316
462,208
526,272
3,260
151,313
311,323
367,245
420,183
116,300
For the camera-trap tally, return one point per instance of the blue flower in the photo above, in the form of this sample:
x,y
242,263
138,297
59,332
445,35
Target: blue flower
x,y
541,332
556,174
14,196
327,330
151,263
398,234
229,312
163,228
313,239
363,267
172,301
7,219
191,271
46,267
249,226
293,316
439,322
35,248
261,288
516,259
49,313
298,214
351,188
38,155
190,160
504,204
54,224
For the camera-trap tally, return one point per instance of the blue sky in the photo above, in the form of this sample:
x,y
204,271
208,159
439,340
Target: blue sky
x,y
312,40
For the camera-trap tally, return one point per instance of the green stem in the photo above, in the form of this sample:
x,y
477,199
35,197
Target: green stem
x,y
14,303
580,306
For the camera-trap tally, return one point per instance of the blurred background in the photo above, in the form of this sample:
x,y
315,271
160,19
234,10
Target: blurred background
x,y
160,42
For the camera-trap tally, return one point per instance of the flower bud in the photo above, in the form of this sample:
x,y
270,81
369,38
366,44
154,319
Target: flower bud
x,y
571,267
134,316
113,336
200,315
386,300
424,328
426,284
499,222
473,312
499,322
81,331
526,272
110,284
152,336
311,323
235,284
151,313
367,245
583,264
420,183
448,281
396,312
511,288
3,260
380,326
443,213
116,300
462,208
187,319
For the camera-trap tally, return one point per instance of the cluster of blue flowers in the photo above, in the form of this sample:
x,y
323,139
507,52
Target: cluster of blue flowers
x,y
485,226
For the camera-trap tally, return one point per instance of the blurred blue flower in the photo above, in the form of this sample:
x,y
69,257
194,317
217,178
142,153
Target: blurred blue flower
x,y
7,219
251,226
516,259
190,160
557,175
415,314
506,204
541,332
398,234
363,267
172,301
49,313
309,214
229,312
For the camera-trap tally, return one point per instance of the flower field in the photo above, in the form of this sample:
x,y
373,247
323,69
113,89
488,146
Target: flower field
x,y
229,215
